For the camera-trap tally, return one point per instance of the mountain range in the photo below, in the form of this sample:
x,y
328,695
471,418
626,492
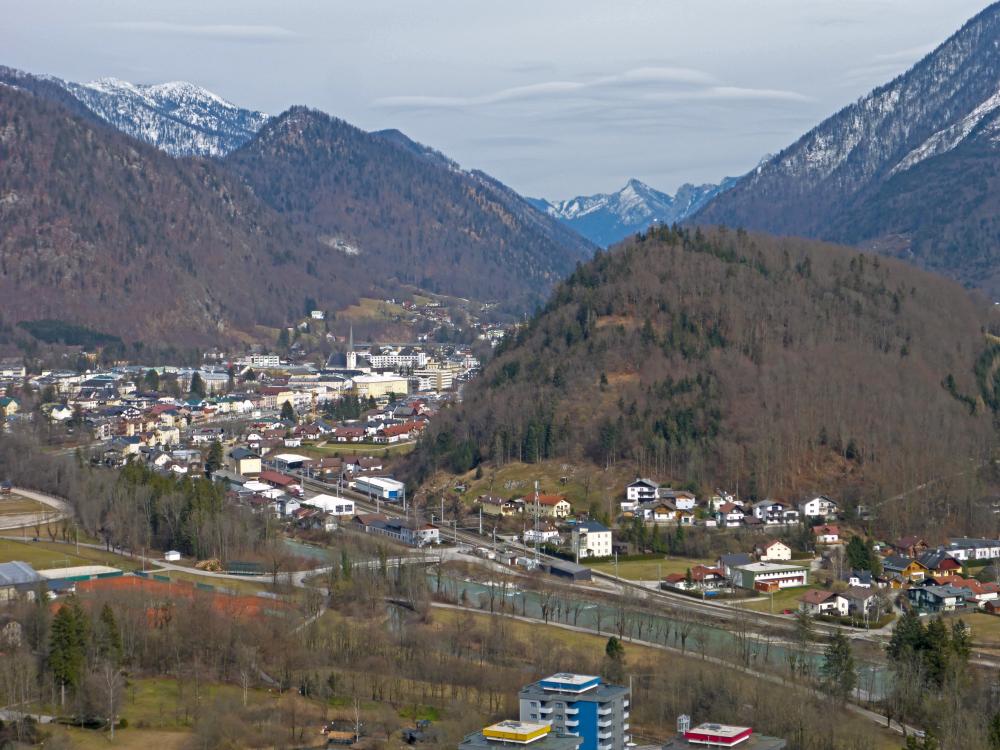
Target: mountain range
x,y
606,218
912,169
108,199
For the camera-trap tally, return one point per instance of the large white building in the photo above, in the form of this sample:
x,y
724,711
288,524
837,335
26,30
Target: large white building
x,y
766,576
335,506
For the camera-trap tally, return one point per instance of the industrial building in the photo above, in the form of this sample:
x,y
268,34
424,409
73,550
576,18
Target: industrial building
x,y
383,488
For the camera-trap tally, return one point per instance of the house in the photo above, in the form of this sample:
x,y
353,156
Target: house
x,y
591,539
974,549
939,561
413,533
773,550
8,407
730,515
681,499
937,598
826,534
639,491
702,577
819,507
543,535
244,462
726,563
773,512
656,511
978,594
12,368
905,567
549,506
816,602
172,555
861,602
768,576
280,481
497,506
334,506
909,546
858,579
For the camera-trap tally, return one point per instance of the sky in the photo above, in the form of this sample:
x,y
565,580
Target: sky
x,y
556,98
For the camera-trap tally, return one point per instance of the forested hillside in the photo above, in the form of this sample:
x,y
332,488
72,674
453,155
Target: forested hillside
x,y
724,358
406,216
99,229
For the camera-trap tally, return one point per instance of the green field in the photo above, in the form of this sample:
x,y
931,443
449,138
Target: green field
x,y
242,586
783,599
357,449
12,505
43,554
650,570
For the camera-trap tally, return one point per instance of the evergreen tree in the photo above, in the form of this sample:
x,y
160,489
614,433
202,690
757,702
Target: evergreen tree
x,y
614,660
837,670
152,380
197,385
109,637
68,644
857,554
288,412
215,458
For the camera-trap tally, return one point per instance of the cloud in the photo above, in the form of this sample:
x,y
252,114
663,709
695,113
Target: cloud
x,y
601,85
221,32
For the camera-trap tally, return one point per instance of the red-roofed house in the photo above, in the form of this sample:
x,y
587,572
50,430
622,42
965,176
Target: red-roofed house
x,y
826,534
549,506
817,602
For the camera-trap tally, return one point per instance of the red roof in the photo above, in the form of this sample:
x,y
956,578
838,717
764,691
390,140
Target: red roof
x,y
277,479
816,597
826,531
546,499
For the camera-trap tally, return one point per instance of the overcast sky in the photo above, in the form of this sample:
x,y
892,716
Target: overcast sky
x,y
554,97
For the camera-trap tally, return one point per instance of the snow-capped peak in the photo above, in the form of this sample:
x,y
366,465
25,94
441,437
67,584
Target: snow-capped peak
x,y
179,117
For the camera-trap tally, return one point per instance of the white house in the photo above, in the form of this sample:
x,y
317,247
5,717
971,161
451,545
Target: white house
x,y
974,549
819,507
730,515
640,491
682,499
335,506
774,550
826,534
775,512
542,535
591,539
817,602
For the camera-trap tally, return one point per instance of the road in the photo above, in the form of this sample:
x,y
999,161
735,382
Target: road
x,y
60,509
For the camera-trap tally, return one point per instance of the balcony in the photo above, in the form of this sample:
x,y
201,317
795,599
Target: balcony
x,y
625,703
604,710
572,723
604,724
625,714
572,711
545,710
605,735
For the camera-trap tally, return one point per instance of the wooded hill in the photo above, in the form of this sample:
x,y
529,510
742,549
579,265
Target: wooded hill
x,y
722,357
100,229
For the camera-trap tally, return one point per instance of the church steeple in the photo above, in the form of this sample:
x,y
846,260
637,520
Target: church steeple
x,y
350,357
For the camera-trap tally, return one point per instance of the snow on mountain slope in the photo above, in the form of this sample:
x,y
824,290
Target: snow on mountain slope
x,y
178,117
606,218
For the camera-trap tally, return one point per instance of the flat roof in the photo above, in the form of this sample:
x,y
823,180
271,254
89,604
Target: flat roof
x,y
291,457
767,567
79,570
719,730
568,678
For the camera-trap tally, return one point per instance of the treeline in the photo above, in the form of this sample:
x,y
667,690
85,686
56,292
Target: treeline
x,y
136,509
720,357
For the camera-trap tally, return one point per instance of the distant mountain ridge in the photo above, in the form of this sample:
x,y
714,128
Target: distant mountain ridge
x,y
911,169
606,218
177,117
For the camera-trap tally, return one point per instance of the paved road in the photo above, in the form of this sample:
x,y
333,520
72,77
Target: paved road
x,y
60,509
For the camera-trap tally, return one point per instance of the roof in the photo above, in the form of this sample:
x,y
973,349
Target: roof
x,y
274,477
815,596
17,573
898,562
593,527
546,499
770,567
826,531
735,558
645,482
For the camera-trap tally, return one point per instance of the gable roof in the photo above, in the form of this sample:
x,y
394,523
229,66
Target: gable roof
x,y
815,596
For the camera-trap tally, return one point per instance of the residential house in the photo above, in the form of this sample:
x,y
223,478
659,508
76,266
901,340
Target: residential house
x,y
730,515
773,512
905,567
544,534
773,550
702,578
937,598
826,534
939,561
8,407
910,546
726,563
681,499
816,602
974,549
977,593
858,579
549,506
640,491
412,533
498,506
656,511
862,602
819,507
591,539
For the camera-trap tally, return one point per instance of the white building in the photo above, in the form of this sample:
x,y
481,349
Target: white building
x,y
640,491
974,549
264,360
335,506
380,487
591,539
819,507
542,535
767,576
774,550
